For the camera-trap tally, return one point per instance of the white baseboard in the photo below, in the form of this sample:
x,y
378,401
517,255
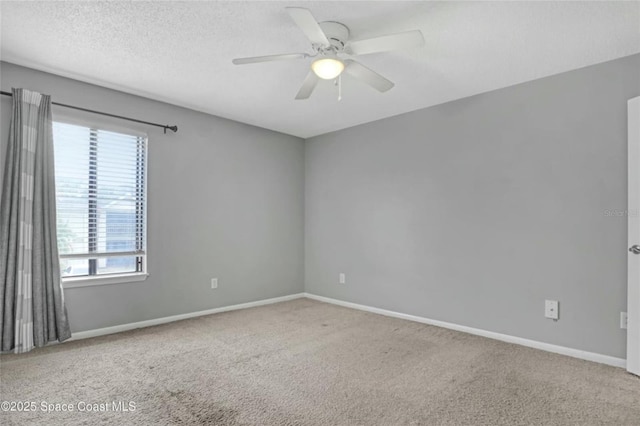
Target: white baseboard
x,y
562,350
157,321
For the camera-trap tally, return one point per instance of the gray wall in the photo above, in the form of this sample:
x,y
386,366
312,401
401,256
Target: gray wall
x,y
475,211
225,200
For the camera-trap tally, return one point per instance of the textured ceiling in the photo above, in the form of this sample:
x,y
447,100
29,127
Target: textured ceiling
x,y
180,52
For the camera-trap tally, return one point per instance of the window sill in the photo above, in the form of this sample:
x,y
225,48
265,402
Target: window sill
x,y
104,280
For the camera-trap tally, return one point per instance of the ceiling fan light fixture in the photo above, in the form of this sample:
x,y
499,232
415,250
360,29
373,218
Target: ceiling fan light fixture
x,y
327,68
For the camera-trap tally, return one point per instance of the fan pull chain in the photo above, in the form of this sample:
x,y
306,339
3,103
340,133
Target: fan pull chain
x,y
339,87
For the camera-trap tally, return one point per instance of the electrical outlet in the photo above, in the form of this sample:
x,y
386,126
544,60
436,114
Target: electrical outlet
x,y
623,320
342,278
551,309
214,283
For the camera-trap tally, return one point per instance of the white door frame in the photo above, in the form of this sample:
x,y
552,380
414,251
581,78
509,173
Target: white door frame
x,y
633,214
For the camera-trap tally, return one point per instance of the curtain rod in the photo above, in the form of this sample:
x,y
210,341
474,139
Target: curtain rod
x,y
165,127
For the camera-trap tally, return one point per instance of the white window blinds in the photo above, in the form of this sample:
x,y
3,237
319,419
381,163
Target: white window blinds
x,y
101,200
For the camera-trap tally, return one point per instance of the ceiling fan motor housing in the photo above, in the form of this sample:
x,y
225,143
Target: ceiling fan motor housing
x,y
337,33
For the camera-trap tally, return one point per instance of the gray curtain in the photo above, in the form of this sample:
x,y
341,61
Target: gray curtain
x,y
32,311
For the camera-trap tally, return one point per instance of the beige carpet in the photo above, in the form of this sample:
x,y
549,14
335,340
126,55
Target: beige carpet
x,y
308,363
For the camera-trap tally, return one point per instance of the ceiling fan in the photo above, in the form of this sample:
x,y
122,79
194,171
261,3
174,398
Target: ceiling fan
x,y
330,42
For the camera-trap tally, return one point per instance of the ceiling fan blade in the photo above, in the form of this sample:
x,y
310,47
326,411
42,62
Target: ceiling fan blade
x,y
385,43
255,59
372,78
308,24
308,85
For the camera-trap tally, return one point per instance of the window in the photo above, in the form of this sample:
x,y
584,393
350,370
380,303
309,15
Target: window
x,y
101,202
